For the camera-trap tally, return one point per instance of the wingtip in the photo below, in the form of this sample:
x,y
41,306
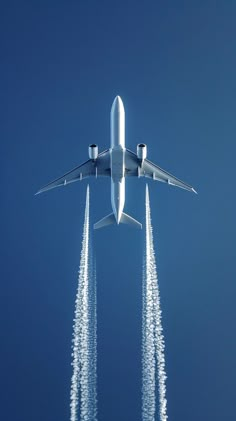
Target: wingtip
x,y
38,192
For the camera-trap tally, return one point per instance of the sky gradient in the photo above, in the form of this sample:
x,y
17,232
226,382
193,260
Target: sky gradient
x,y
173,64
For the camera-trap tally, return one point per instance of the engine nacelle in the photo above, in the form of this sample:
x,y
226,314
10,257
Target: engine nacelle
x,y
93,151
141,151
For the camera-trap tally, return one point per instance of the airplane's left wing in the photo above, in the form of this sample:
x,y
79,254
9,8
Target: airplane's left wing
x,y
150,170
97,168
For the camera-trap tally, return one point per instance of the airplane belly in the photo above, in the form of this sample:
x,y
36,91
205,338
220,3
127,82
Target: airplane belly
x,y
118,197
117,163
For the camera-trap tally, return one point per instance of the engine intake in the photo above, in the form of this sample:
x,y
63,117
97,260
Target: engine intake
x,y
141,151
93,151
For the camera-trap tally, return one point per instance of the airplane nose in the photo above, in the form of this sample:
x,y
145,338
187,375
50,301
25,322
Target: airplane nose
x,y
118,104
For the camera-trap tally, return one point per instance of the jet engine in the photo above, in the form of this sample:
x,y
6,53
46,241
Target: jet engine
x,y
141,151
93,152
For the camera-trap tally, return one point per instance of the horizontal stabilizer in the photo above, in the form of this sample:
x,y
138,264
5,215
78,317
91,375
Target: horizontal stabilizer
x,y
107,220
110,220
126,219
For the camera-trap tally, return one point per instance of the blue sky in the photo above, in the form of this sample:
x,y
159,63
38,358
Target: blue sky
x,y
173,64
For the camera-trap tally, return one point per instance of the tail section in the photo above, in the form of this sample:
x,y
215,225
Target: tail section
x,y
110,219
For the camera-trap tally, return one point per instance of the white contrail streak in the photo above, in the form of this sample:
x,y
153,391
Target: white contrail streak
x,y
153,346
84,343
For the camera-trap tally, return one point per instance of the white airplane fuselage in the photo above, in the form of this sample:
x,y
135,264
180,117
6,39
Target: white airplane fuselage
x,y
117,152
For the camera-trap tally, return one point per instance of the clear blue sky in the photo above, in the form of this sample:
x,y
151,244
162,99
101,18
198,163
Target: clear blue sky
x,y
173,63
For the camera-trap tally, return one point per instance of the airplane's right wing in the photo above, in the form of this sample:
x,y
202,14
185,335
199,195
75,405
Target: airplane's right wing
x,y
97,168
151,170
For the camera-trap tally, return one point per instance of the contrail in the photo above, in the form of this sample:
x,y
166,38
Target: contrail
x,y
153,362
83,392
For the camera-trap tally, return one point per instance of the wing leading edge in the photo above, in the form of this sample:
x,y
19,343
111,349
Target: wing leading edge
x,y
151,170
91,168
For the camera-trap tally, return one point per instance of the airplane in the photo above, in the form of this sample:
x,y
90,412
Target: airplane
x,y
117,162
